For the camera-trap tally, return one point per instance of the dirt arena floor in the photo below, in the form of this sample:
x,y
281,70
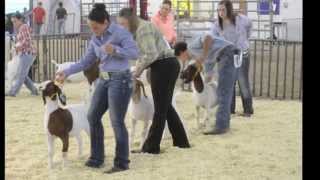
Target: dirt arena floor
x,y
267,146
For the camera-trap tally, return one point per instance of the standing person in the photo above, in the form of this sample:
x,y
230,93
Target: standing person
x,y
164,21
210,50
38,15
237,29
114,46
61,14
155,53
26,52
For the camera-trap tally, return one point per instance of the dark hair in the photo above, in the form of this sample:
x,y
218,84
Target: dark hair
x,y
230,14
60,4
131,16
179,48
167,2
40,3
99,13
18,16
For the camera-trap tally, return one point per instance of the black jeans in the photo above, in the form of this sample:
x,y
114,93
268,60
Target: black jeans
x,y
164,74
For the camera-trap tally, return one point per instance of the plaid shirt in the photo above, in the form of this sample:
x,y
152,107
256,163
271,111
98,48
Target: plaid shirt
x,y
24,41
151,44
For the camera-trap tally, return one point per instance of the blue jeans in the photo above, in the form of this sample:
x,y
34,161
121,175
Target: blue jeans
x,y
61,26
37,28
25,62
227,76
245,92
113,94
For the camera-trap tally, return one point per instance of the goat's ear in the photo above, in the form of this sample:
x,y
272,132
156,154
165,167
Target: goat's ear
x,y
62,98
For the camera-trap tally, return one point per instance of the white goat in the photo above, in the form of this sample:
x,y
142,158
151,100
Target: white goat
x,y
140,108
204,94
62,122
12,69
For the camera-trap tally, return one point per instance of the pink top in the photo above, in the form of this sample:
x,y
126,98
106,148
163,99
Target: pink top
x,y
166,26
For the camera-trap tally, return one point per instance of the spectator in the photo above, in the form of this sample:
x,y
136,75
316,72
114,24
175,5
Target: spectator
x,y
236,28
39,15
61,14
164,21
210,50
26,15
26,51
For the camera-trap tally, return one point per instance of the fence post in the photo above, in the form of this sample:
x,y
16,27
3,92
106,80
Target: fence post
x,y
44,58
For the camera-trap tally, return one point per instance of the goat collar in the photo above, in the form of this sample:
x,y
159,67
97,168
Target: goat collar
x,y
199,69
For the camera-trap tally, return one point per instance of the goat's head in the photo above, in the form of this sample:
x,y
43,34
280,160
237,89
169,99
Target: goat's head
x,y
52,90
136,94
92,73
191,72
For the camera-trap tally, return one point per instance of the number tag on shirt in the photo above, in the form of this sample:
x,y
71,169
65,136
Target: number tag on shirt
x,y
237,59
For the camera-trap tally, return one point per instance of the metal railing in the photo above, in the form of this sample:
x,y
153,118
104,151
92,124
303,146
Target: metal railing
x,y
275,66
275,69
61,48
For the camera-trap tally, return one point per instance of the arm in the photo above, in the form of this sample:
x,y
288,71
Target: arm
x,y
249,28
215,29
128,48
148,50
206,46
84,62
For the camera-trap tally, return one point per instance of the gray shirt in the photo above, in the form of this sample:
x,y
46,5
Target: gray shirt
x,y
238,34
218,44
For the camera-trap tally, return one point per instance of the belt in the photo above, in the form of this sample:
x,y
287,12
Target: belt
x,y
108,75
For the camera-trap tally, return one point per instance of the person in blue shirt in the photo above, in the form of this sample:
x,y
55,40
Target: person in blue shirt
x,y
114,46
210,51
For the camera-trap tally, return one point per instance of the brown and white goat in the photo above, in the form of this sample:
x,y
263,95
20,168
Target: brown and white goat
x,y
204,94
141,108
62,122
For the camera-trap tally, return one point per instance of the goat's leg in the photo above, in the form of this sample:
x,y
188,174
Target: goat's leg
x,y
65,146
133,129
79,140
144,133
198,116
165,131
50,150
206,120
87,129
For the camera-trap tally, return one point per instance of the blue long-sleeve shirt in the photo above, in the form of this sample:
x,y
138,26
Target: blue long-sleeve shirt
x,y
125,49
238,34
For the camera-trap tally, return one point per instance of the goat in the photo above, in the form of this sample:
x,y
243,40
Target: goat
x,y
204,94
145,75
77,77
60,121
141,108
12,69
